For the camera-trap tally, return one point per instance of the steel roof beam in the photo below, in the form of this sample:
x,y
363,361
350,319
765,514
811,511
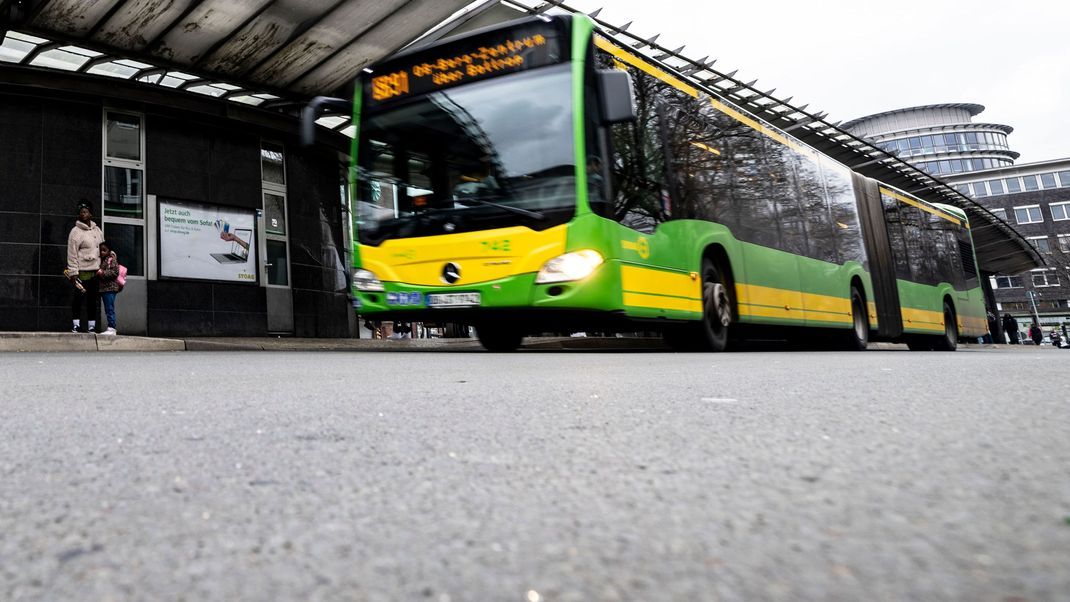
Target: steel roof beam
x,y
152,44
211,50
343,47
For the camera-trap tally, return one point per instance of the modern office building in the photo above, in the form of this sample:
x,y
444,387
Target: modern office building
x,y
975,158
941,139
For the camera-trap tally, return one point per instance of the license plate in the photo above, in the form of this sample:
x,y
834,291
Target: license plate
x,y
453,300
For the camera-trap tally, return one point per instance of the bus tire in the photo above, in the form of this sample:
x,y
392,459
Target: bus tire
x,y
717,310
949,341
499,337
857,338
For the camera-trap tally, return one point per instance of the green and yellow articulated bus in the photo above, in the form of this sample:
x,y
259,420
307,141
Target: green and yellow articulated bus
x,y
539,177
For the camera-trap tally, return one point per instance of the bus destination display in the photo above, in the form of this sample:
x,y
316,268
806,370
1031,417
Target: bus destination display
x,y
467,61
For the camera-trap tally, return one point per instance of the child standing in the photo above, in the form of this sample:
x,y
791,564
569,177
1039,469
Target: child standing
x,y
108,275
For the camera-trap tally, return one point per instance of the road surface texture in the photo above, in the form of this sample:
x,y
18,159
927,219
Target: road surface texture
x,y
574,476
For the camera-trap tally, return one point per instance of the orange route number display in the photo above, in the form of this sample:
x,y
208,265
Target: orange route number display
x,y
482,57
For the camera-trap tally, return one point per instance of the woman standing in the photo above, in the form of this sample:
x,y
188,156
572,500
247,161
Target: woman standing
x,y
109,283
83,261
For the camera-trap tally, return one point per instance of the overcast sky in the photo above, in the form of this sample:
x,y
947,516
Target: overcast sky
x,y
855,57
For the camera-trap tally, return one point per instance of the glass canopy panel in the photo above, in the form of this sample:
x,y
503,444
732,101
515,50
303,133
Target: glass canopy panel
x,y
247,100
331,122
113,69
62,58
207,90
16,46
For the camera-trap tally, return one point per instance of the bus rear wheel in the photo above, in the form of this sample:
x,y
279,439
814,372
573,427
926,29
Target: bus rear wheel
x,y
499,337
950,340
716,306
858,338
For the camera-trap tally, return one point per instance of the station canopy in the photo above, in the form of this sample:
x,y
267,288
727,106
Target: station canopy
x,y
279,53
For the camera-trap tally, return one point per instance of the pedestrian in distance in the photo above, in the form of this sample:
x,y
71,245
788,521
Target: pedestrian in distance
x,y
1010,326
108,273
993,326
83,261
1036,334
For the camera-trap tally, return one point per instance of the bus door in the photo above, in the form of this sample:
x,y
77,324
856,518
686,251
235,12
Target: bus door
x,y
879,253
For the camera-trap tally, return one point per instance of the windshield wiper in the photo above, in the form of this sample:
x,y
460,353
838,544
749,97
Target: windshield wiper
x,y
509,208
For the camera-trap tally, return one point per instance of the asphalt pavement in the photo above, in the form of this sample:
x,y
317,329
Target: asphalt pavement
x,y
545,475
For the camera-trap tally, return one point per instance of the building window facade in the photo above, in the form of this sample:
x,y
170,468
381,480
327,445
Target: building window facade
x,y
1041,243
276,238
1064,243
123,187
1060,211
1045,278
1028,214
1007,282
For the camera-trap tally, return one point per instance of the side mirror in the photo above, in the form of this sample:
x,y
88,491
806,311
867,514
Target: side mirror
x,y
313,110
618,100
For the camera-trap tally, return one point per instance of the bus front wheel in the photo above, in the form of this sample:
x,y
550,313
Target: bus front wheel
x,y
716,306
499,337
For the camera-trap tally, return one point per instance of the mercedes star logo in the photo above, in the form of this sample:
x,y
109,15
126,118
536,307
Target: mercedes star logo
x,y
451,273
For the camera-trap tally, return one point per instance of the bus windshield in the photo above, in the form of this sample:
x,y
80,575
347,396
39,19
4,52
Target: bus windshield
x,y
485,155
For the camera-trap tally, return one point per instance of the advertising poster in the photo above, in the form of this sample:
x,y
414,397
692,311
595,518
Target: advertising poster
x,y
207,242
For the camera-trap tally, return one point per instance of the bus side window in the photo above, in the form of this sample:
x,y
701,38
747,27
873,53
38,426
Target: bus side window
x,y
782,189
919,247
941,241
638,166
843,210
896,236
597,142
965,251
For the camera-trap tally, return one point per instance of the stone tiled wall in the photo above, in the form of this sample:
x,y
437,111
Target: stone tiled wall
x,y
49,160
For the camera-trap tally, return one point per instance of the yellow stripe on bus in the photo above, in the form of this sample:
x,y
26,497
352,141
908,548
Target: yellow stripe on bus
x,y
972,326
764,129
660,282
660,302
926,208
922,319
633,60
769,302
752,294
642,65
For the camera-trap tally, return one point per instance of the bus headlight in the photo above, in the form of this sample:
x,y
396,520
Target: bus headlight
x,y
366,281
570,266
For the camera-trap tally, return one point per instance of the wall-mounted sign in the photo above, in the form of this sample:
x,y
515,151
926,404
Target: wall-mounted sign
x,y
207,242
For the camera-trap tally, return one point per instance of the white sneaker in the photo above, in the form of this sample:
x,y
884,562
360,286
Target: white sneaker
x,y
110,331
